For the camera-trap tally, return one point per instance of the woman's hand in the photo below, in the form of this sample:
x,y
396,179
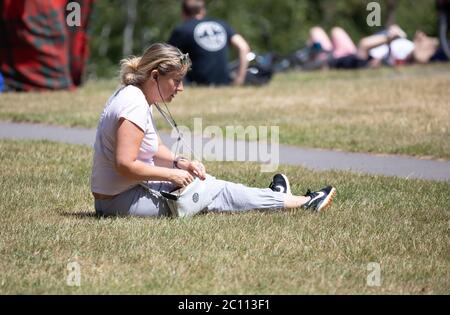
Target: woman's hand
x,y
180,178
196,168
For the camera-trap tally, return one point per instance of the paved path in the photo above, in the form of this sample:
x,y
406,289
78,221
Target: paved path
x,y
316,159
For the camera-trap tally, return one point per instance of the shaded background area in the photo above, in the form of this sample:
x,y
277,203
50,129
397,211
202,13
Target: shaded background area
x,y
121,28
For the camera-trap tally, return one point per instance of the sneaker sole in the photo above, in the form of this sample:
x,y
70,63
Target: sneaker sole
x,y
288,187
328,200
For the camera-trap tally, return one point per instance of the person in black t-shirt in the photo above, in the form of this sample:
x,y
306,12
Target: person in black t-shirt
x,y
207,41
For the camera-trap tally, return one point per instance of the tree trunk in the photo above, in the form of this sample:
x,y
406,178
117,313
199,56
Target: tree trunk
x,y
104,40
391,10
129,27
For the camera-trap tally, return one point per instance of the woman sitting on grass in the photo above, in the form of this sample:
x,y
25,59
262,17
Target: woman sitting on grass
x,y
128,150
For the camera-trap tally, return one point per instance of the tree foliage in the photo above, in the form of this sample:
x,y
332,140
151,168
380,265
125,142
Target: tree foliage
x,y
268,25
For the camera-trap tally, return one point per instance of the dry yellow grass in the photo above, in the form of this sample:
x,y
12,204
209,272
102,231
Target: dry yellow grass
x,y
47,222
401,111
385,112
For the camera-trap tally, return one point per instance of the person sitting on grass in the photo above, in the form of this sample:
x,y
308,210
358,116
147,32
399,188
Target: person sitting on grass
x,y
207,40
128,150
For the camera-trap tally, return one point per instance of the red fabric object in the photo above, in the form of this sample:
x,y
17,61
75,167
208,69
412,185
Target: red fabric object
x,y
79,43
38,50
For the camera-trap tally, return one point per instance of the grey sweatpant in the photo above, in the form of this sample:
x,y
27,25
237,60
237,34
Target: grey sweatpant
x,y
229,196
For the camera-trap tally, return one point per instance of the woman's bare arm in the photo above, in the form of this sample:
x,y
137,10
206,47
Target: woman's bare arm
x,y
164,157
129,138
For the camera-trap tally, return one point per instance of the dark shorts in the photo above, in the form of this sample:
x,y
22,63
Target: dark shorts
x,y
348,62
440,55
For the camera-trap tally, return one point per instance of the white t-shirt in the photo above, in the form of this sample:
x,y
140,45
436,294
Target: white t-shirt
x,y
401,48
128,102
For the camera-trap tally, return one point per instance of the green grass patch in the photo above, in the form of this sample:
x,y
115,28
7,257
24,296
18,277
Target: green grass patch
x,y
47,222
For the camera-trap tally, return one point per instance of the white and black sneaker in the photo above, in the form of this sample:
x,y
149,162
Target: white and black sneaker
x,y
320,199
280,183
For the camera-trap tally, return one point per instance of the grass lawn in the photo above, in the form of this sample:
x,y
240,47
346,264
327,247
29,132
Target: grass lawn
x,y
47,222
399,111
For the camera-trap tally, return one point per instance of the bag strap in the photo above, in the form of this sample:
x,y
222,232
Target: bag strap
x,y
159,194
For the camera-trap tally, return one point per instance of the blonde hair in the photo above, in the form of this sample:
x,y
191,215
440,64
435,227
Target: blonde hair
x,y
164,58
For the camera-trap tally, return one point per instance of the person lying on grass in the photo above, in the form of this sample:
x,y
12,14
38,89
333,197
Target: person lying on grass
x,y
128,150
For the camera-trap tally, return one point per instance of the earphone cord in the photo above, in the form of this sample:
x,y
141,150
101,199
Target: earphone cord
x,y
173,124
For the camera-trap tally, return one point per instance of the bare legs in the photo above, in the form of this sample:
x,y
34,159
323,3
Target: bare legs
x,y
318,35
342,45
